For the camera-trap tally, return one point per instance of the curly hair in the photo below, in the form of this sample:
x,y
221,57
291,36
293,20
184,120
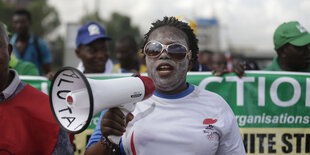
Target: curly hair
x,y
184,27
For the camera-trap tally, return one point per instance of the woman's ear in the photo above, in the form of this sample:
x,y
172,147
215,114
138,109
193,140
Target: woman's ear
x,y
191,62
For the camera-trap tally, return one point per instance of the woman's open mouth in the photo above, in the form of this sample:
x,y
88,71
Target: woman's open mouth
x,y
164,69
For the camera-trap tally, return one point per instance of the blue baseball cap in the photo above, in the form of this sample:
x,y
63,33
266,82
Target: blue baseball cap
x,y
89,33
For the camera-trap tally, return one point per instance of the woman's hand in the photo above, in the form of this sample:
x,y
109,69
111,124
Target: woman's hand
x,y
112,122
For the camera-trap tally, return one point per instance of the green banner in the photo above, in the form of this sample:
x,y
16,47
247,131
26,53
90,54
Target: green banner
x,y
260,99
272,108
263,99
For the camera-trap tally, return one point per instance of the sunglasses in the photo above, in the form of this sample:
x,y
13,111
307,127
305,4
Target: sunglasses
x,y
175,50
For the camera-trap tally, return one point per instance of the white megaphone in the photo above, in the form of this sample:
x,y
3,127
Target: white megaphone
x,y
75,99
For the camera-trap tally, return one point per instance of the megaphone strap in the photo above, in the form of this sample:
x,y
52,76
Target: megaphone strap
x,y
105,142
110,146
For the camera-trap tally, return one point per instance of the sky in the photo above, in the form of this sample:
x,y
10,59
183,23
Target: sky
x,y
243,23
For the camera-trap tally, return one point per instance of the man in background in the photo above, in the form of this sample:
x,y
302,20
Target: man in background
x,y
219,62
22,67
126,49
203,62
28,47
92,49
292,44
27,122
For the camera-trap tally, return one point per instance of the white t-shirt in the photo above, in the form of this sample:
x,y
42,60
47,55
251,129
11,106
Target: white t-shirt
x,y
194,121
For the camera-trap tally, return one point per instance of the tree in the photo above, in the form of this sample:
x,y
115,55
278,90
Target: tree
x,y
6,12
45,20
117,26
44,17
94,17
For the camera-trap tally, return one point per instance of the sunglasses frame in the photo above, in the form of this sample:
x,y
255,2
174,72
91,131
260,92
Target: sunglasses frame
x,y
165,47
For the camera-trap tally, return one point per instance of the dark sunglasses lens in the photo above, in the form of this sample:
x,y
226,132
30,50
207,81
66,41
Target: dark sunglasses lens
x,y
177,52
153,49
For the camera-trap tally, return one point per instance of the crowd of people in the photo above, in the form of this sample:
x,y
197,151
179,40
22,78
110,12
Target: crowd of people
x,y
172,115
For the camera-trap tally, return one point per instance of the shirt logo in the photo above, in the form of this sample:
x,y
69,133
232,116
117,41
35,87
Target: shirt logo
x,y
93,29
209,129
209,121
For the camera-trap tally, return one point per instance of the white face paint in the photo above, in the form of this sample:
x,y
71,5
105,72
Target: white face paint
x,y
169,76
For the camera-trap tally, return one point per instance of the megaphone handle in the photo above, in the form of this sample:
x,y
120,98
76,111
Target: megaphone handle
x,y
125,109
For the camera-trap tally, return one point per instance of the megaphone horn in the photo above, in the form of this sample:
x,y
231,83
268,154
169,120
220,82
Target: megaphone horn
x,y
75,99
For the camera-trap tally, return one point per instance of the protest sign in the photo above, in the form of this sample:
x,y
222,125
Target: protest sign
x,y
271,108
